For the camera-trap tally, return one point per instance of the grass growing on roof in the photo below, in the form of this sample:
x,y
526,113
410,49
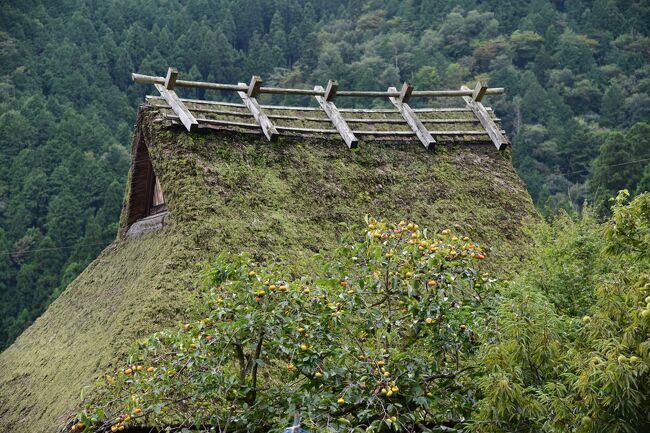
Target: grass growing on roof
x,y
230,192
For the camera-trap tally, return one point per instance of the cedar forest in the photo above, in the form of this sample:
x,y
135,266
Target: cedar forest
x,y
577,109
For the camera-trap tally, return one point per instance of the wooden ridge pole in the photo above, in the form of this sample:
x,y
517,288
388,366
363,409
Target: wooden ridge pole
x,y
409,115
327,104
474,103
168,93
242,87
250,100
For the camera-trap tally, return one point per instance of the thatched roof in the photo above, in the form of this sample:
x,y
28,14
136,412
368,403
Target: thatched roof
x,y
231,191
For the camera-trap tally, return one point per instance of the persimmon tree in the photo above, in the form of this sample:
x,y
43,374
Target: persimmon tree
x,y
379,337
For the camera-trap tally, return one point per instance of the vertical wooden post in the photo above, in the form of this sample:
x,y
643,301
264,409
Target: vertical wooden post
x,y
479,91
254,86
483,116
405,93
334,115
248,97
409,115
170,80
331,89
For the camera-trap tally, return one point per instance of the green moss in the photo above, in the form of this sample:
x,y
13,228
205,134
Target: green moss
x,y
235,192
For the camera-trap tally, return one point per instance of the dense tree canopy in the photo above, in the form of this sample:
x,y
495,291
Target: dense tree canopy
x,y
576,75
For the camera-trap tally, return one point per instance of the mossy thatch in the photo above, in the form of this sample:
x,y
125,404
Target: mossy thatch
x,y
233,192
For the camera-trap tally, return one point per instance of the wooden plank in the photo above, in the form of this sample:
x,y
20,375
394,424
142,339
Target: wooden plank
x,y
283,91
330,90
212,111
268,128
201,101
405,93
170,80
305,118
254,86
446,110
149,79
499,140
178,107
479,91
366,110
311,130
217,122
341,110
401,120
371,132
325,119
413,121
432,132
454,93
289,108
337,120
368,94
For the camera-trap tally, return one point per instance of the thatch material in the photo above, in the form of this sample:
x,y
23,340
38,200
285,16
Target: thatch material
x,y
235,192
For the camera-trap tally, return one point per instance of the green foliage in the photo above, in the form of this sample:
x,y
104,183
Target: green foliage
x,y
545,370
618,164
577,68
379,338
402,324
566,263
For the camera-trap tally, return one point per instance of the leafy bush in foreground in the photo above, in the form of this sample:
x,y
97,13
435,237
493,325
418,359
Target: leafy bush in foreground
x,y
545,370
379,338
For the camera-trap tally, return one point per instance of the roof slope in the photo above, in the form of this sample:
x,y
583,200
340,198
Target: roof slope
x,y
231,191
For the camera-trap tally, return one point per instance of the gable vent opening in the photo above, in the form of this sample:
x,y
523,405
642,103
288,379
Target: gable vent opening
x,y
147,210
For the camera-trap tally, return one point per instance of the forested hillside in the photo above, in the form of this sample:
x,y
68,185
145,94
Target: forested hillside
x,y
576,74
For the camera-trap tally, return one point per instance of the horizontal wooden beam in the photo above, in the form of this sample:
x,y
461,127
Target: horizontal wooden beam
x,y
203,102
412,120
218,122
497,137
453,93
256,126
367,93
149,79
432,132
146,79
318,109
324,119
337,120
308,130
178,107
213,111
268,128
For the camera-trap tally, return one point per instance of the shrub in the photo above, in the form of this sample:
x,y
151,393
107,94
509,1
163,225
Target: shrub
x,y
380,337
545,370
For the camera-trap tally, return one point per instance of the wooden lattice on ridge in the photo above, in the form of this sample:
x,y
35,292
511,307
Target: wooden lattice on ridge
x,y
471,123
